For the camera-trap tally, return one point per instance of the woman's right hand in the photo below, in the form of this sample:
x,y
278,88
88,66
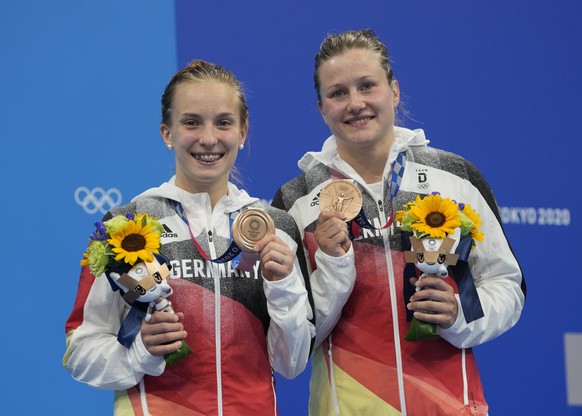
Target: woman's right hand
x,y
331,233
164,332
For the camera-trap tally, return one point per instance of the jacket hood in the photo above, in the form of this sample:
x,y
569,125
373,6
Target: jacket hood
x,y
329,156
233,201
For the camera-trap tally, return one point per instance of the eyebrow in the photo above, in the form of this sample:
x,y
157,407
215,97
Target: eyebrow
x,y
223,114
358,80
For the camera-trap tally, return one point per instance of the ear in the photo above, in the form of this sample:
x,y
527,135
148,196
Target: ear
x,y
243,133
417,245
410,256
447,245
395,92
165,133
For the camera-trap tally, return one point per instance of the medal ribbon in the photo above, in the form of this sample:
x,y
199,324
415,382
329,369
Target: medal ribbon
x,y
390,189
131,325
229,255
470,302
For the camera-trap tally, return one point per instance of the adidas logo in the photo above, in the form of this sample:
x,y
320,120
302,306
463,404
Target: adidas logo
x,y
168,233
315,201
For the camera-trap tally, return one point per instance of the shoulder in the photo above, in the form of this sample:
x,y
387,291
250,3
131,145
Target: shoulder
x,y
300,186
282,219
297,184
154,206
455,165
428,154
445,160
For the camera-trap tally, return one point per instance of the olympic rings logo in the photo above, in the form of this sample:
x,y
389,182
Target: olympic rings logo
x,y
97,199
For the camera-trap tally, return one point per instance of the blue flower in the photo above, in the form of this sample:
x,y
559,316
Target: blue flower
x,y
100,232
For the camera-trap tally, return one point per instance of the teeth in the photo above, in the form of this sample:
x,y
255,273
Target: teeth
x,y
360,120
208,158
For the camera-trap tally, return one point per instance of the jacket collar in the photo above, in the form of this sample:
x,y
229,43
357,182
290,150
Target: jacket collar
x,y
233,201
329,156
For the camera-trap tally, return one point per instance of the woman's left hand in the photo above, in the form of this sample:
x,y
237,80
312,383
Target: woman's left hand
x,y
435,302
276,257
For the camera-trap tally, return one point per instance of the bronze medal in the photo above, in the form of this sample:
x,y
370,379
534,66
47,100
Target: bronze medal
x,y
251,226
341,195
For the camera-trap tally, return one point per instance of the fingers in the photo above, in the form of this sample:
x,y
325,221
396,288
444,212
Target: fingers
x,y
163,333
326,215
435,303
276,257
332,234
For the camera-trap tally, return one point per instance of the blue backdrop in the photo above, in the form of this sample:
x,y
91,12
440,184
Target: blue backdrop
x,y
80,87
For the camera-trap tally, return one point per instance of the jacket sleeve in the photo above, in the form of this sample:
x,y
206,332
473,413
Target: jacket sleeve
x,y
290,333
93,354
331,284
498,280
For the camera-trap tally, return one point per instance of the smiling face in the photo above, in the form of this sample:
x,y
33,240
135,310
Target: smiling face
x,y
205,128
357,101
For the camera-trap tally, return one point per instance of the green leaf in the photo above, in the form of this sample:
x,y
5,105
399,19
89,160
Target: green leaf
x,y
420,331
176,356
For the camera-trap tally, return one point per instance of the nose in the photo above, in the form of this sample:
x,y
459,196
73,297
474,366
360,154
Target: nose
x,y
356,103
207,137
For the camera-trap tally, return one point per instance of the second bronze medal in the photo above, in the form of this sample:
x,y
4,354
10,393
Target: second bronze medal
x,y
341,195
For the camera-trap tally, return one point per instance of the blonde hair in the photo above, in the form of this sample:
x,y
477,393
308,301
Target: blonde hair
x,y
336,44
200,70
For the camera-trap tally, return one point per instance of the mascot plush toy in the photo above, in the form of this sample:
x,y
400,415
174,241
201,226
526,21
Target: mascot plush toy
x,y
144,286
146,282
431,256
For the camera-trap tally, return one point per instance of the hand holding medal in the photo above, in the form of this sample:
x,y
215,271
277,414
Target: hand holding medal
x,y
253,231
340,201
343,198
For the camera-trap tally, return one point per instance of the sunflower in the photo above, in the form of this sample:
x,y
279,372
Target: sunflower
x,y
136,240
473,216
145,218
435,216
85,259
399,216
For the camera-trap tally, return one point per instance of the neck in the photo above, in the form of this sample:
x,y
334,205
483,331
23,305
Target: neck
x,y
369,163
214,191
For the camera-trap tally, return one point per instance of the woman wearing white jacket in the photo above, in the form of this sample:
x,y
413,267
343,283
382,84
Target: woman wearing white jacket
x,y
240,325
363,296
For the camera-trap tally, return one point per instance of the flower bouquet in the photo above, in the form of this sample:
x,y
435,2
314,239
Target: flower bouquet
x,y
436,225
126,249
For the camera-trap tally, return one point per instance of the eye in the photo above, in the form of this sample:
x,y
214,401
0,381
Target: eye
x,y
420,257
224,124
367,86
157,277
441,258
191,122
337,93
